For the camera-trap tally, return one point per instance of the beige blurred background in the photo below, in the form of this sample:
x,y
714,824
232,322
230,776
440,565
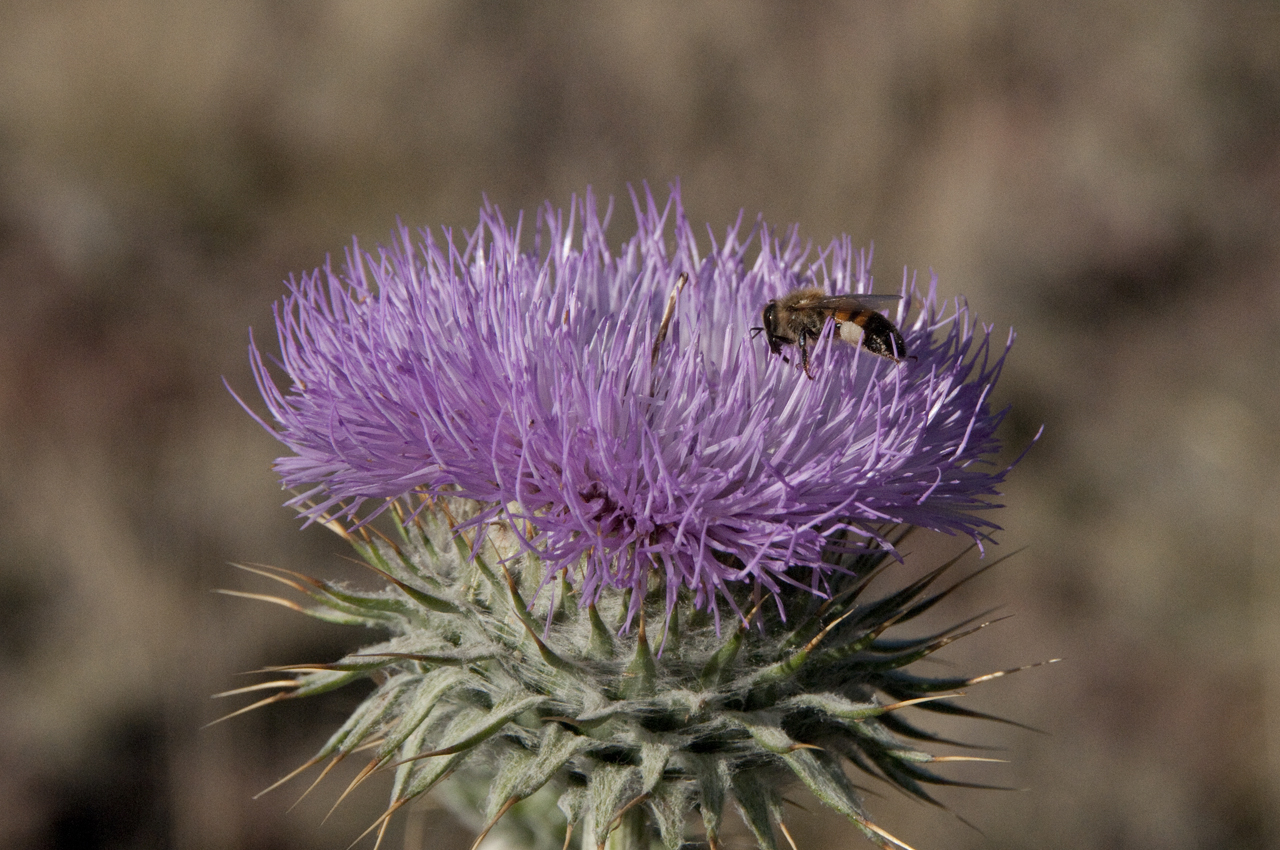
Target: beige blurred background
x,y
1103,176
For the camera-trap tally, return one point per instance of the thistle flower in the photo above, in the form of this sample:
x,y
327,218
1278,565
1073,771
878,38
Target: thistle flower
x,y
530,383
570,442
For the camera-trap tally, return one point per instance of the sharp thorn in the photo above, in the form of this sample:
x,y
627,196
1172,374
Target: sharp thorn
x,y
328,767
868,825
261,686
996,675
506,807
787,834
263,597
360,777
259,704
282,780
380,824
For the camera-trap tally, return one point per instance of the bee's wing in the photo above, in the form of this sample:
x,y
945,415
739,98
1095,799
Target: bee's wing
x,y
843,307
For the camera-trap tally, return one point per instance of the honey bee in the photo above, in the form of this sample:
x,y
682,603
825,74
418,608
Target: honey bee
x,y
798,317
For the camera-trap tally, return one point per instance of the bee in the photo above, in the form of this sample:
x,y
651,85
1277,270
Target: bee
x,y
798,317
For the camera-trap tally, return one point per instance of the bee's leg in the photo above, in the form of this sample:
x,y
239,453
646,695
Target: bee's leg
x,y
804,355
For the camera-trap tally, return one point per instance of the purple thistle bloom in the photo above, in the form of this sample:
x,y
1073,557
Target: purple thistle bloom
x,y
524,381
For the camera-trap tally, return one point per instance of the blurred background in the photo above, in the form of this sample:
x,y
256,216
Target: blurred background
x,y
1102,176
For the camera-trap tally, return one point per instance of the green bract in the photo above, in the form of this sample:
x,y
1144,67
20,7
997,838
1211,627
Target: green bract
x,y
513,689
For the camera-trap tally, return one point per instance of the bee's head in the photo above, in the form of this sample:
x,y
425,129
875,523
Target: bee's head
x,y
769,318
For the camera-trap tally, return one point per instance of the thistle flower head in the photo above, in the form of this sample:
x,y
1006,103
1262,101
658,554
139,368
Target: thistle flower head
x,y
571,418
613,408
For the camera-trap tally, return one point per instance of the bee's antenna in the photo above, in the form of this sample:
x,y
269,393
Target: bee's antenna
x,y
755,332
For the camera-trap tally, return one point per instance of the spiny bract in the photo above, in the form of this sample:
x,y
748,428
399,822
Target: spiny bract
x,y
626,731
